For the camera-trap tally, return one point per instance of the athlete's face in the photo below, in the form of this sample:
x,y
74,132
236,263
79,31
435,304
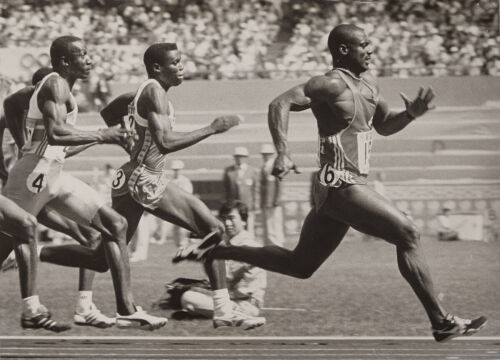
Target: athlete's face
x,y
360,51
79,60
233,223
172,70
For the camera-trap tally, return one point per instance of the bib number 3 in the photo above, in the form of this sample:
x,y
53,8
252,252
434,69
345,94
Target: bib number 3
x,y
36,182
118,179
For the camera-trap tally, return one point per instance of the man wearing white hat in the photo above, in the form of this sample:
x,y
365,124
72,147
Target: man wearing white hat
x,y
270,198
240,183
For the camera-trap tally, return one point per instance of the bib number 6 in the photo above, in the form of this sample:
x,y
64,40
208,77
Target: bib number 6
x,y
36,182
328,176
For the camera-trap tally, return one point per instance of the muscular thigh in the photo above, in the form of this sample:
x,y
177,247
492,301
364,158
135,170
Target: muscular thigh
x,y
76,200
184,209
365,210
31,183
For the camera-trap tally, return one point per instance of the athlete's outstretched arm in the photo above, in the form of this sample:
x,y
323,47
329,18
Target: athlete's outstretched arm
x,y
52,100
388,122
278,114
154,105
74,150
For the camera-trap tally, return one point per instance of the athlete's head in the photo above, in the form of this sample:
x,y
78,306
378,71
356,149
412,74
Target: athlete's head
x,y
163,63
40,74
234,215
69,57
350,48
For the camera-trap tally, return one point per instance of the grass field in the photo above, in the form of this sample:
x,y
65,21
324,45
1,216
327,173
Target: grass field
x,y
358,291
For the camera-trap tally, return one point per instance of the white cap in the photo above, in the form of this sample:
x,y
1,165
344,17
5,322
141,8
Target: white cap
x,y
240,151
267,149
177,165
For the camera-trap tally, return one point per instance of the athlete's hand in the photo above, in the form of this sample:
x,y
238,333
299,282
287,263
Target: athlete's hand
x,y
282,166
116,135
421,104
224,123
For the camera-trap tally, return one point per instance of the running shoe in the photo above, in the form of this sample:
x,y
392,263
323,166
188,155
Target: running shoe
x,y
197,252
454,326
140,320
93,317
239,319
43,321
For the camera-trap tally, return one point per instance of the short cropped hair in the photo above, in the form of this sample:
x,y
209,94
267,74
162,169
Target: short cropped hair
x,y
154,54
227,207
40,74
341,34
60,47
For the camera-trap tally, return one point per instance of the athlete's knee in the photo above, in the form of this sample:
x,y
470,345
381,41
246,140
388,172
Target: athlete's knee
x,y
27,228
118,227
304,272
101,266
301,269
410,235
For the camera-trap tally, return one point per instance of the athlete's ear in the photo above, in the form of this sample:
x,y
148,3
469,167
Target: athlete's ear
x,y
343,49
64,61
156,67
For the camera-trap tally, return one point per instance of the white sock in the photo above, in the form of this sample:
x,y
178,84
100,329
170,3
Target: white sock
x,y
84,301
222,303
31,305
39,250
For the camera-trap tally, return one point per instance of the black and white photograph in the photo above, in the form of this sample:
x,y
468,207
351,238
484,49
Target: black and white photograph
x,y
258,179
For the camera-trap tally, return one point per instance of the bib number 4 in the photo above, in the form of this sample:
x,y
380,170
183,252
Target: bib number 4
x,y
36,182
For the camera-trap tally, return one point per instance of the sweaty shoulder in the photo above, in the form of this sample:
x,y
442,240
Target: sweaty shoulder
x,y
324,86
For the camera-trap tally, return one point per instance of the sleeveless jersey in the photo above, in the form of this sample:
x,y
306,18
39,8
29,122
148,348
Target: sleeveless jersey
x,y
144,151
144,176
35,133
346,155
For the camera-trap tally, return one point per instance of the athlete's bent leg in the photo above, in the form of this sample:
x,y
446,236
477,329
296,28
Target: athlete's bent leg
x,y
371,213
319,237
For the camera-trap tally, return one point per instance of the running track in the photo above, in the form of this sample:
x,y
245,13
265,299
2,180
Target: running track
x,y
220,348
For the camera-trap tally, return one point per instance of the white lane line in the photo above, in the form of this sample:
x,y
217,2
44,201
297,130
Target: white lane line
x,y
244,338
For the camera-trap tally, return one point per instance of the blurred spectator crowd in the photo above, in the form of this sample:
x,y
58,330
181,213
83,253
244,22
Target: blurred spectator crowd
x,y
225,39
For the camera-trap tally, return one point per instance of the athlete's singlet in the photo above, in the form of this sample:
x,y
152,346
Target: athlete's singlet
x,y
36,135
37,179
143,177
345,155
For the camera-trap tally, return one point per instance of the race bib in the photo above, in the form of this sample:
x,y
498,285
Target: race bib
x,y
129,122
365,140
328,176
118,179
36,182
